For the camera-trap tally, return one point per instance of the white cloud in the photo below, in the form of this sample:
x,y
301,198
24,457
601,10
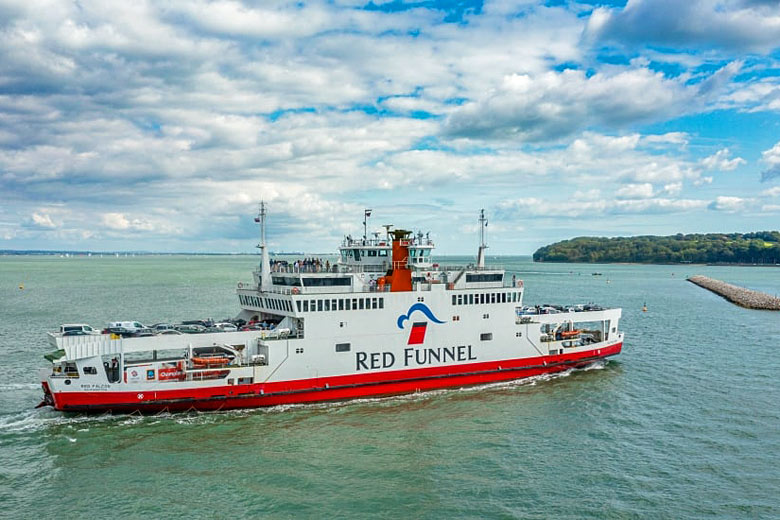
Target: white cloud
x,y
771,158
552,105
728,204
635,191
772,192
44,220
673,188
731,24
536,207
720,161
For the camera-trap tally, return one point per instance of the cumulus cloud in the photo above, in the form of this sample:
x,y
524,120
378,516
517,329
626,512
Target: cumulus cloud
x,y
771,158
557,104
720,161
635,191
731,24
43,220
728,204
536,207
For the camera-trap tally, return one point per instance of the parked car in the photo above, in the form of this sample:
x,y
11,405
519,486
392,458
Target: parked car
x,y
169,332
76,333
159,327
224,327
190,328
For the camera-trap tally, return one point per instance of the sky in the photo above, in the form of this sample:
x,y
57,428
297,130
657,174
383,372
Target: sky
x,y
159,126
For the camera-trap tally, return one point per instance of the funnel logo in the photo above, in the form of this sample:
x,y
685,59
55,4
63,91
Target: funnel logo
x,y
417,333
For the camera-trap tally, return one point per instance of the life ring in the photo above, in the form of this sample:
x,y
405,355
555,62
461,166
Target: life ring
x,y
520,283
295,290
240,285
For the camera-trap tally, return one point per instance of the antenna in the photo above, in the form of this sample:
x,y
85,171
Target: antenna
x,y
265,263
366,214
483,222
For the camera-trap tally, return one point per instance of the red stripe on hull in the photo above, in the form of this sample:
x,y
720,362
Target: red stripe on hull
x,y
327,389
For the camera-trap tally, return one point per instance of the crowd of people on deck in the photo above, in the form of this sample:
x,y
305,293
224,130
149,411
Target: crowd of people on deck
x,y
305,265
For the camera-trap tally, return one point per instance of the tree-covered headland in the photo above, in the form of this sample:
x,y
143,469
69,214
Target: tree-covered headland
x,y
762,247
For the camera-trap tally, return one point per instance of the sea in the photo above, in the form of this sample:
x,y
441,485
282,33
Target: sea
x,y
684,423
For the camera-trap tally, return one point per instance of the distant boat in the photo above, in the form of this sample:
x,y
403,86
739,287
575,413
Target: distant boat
x,y
597,274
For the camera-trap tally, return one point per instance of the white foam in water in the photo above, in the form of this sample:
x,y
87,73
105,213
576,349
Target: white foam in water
x,y
36,419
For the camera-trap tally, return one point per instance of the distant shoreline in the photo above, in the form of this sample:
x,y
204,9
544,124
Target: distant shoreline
x,y
712,264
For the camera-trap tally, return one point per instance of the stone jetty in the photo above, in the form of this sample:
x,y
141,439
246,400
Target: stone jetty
x,y
738,295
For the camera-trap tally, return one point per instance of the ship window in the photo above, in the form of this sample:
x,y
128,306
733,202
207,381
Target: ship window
x,y
354,304
326,282
333,304
327,305
313,306
374,303
484,277
371,252
382,252
90,370
341,304
346,304
360,303
492,297
343,347
454,299
381,303
357,255
503,297
471,299
305,305
319,305
486,336
287,280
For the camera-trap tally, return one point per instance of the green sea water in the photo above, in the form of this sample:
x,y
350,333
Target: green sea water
x,y
685,423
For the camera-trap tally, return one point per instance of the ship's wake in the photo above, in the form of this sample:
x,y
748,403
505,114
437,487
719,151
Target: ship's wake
x,y
31,420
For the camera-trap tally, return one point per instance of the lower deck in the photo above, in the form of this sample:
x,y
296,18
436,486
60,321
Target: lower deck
x,y
250,395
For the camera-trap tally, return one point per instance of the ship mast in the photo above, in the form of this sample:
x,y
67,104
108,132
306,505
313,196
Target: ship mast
x,y
482,245
366,214
265,263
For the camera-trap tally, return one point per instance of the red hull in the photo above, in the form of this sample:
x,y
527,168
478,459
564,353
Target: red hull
x,y
326,389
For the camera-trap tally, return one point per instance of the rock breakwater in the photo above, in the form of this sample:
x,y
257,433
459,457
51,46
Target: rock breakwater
x,y
738,295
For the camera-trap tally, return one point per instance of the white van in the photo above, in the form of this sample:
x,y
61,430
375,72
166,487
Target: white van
x,y
80,329
125,326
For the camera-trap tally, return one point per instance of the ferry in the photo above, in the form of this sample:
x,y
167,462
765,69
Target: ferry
x,y
384,319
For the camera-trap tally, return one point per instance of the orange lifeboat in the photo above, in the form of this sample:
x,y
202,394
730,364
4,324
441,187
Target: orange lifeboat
x,y
199,362
570,333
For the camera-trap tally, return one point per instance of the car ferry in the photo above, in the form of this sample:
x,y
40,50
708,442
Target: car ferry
x,y
385,319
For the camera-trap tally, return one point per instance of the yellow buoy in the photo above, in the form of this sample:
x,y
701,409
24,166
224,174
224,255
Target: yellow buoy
x,y
644,307
21,286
